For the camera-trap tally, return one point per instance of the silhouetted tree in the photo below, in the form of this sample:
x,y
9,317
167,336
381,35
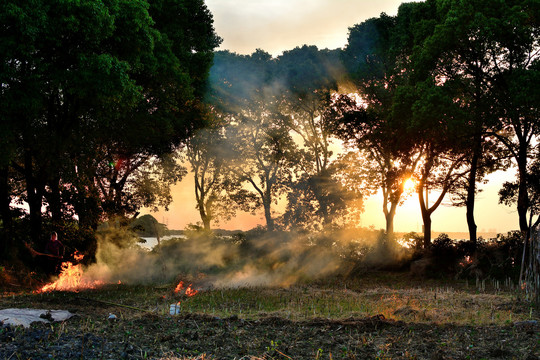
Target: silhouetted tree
x,y
436,123
262,157
87,83
311,76
375,58
207,153
459,51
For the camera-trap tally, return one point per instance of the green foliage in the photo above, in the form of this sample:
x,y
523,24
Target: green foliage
x,y
95,94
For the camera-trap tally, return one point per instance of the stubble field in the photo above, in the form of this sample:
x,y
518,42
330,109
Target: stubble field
x,y
380,315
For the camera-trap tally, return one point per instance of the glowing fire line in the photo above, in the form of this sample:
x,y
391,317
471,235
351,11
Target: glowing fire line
x,y
71,278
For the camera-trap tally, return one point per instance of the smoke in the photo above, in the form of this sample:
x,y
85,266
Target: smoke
x,y
244,90
250,259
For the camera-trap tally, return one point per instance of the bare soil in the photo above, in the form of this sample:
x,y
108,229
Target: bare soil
x,y
136,334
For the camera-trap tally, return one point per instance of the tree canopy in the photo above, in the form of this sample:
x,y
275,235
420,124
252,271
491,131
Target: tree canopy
x,y
94,92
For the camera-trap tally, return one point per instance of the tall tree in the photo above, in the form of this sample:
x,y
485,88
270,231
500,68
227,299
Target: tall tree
x,y
491,52
311,76
459,51
206,152
98,79
376,58
261,158
443,132
425,102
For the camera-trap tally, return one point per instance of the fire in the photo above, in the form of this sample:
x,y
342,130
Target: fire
x,y
71,278
189,290
179,287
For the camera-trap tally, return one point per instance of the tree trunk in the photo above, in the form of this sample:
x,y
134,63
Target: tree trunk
x,y
35,198
523,199
389,216
426,217
324,211
426,214
204,217
6,238
268,214
316,183
471,191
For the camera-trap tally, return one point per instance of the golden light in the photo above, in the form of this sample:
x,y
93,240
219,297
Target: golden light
x,y
409,185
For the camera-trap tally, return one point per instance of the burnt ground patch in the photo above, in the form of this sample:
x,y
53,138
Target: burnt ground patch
x,y
91,335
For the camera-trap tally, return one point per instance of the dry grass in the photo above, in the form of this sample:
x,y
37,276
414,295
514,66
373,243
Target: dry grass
x,y
393,296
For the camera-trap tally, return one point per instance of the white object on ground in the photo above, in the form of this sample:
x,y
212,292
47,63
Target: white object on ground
x,y
175,309
25,317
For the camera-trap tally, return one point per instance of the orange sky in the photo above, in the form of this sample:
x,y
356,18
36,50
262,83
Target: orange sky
x,y
279,25
490,216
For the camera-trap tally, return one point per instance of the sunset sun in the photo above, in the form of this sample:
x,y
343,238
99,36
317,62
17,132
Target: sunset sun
x,y
409,185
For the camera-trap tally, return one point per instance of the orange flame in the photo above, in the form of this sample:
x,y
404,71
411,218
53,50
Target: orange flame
x,y
71,278
179,287
77,256
189,290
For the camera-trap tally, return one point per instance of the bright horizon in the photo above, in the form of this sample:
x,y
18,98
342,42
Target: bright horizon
x,y
279,25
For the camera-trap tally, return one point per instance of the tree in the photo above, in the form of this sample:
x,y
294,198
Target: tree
x,y
311,76
425,102
261,157
375,58
508,195
206,152
519,128
100,81
459,53
491,52
441,132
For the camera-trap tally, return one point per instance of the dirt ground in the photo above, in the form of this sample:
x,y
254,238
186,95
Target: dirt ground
x,y
140,335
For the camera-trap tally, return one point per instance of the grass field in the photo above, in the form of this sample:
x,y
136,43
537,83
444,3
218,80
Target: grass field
x,y
378,315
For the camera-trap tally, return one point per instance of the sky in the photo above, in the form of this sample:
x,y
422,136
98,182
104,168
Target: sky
x,y
278,25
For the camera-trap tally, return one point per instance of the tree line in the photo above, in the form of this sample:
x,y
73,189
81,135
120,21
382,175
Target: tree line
x,y
444,93
95,97
102,100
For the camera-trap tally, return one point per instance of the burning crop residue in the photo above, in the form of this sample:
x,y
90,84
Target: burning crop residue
x,y
189,291
182,291
71,278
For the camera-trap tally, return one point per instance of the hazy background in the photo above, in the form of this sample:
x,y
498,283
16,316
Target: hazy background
x,y
278,25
